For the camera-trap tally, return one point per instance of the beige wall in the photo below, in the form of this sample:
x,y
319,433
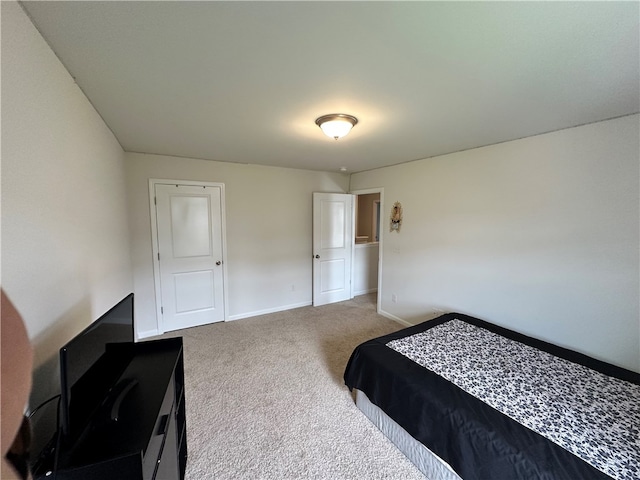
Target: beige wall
x,y
65,241
268,212
365,268
540,235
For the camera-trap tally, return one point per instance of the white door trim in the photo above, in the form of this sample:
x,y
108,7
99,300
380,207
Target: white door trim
x,y
154,241
379,190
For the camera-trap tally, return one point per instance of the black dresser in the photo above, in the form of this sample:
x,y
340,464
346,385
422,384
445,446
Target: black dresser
x,y
141,432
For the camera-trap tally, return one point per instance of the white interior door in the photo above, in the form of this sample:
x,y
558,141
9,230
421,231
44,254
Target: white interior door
x,y
190,255
333,241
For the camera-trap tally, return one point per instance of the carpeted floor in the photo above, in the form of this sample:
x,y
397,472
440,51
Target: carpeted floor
x,y
266,399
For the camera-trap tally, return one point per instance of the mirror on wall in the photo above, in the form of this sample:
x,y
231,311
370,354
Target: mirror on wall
x,y
368,218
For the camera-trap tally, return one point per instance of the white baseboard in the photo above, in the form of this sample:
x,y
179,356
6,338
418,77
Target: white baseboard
x,y
268,310
153,333
394,318
364,292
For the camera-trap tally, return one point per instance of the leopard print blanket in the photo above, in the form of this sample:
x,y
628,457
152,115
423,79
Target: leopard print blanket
x,y
594,416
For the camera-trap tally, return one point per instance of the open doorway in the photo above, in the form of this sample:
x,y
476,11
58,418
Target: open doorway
x,y
367,218
368,242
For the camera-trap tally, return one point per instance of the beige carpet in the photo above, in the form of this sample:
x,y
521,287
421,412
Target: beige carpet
x,y
266,399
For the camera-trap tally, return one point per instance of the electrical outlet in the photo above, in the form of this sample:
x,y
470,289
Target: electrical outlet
x,y
394,298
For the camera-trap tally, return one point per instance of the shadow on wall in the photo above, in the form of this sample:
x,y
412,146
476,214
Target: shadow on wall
x,y
46,372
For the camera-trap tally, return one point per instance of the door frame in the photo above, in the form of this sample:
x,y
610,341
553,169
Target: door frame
x,y
379,190
155,249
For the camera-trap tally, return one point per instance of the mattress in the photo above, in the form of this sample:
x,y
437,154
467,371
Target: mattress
x,y
432,466
482,401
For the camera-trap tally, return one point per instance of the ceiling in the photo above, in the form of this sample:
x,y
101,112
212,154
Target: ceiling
x,y
244,81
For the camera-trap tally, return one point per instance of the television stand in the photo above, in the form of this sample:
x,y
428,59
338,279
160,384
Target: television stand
x,y
146,438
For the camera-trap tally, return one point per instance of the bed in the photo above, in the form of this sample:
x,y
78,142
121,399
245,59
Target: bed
x,y
464,398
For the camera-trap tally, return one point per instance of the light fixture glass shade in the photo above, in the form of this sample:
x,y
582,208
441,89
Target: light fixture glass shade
x,y
336,125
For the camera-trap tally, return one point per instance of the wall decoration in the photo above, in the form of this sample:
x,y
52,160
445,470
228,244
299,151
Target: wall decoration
x,y
396,217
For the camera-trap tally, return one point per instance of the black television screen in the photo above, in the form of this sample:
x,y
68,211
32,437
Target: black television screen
x,y
91,364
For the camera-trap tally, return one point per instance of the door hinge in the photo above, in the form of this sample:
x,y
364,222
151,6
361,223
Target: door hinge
x,y
162,310
158,256
155,200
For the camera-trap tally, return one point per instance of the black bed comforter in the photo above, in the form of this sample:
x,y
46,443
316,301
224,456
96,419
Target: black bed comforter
x,y
475,439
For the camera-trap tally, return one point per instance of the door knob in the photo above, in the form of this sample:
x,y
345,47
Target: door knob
x,y
218,262
317,256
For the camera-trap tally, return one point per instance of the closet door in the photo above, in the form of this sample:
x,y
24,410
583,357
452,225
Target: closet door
x,y
333,242
189,235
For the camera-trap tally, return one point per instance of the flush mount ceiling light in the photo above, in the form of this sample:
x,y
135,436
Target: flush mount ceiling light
x,y
336,125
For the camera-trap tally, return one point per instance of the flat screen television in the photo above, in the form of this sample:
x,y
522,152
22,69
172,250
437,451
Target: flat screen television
x,y
91,365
